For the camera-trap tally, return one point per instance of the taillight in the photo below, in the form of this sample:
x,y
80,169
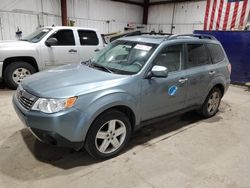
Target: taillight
x,y
229,68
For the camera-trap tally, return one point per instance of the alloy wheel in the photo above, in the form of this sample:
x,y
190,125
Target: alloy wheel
x,y
110,136
213,102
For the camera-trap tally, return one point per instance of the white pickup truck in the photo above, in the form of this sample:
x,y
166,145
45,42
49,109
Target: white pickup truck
x,y
46,48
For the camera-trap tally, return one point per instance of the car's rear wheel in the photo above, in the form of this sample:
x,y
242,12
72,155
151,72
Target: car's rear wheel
x,y
16,72
108,135
211,105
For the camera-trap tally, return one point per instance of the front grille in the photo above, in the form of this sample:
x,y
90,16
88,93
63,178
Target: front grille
x,y
25,99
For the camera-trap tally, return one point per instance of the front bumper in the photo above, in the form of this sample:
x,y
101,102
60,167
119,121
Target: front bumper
x,y
1,70
64,128
53,138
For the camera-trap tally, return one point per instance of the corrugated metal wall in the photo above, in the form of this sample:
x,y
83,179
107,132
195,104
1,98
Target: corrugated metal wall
x,y
27,15
10,21
186,16
30,14
96,13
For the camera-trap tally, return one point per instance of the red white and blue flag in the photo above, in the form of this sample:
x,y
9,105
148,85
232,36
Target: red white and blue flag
x,y
226,14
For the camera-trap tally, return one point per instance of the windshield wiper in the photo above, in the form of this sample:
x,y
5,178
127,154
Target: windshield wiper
x,y
88,62
101,66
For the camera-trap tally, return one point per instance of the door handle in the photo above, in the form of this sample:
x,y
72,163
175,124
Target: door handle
x,y
72,51
211,72
97,50
183,80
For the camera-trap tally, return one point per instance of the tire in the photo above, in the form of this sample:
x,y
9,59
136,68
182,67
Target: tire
x,y
107,125
16,72
211,105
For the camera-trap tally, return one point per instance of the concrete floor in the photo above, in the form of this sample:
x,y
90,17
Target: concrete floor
x,y
185,151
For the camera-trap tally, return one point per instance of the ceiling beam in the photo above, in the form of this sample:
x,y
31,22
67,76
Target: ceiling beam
x,y
169,1
130,2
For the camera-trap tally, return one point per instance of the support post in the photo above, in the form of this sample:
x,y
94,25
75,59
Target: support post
x,y
145,12
64,12
172,22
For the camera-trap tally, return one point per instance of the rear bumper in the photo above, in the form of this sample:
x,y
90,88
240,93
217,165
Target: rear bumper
x,y
1,70
226,86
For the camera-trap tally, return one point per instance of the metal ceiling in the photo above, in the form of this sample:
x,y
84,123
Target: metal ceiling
x,y
151,2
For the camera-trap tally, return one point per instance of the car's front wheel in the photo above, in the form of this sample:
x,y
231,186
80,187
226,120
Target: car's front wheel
x,y
108,135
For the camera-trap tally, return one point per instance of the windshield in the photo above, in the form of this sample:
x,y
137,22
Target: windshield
x,y
37,35
124,57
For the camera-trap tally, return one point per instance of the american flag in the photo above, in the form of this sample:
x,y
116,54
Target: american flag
x,y
226,14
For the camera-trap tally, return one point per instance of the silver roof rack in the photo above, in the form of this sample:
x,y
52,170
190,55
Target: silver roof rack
x,y
200,36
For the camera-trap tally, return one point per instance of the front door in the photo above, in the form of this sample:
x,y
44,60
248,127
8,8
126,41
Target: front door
x,y
160,96
65,52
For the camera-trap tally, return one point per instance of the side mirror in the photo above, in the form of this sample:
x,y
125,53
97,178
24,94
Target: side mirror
x,y
51,42
158,71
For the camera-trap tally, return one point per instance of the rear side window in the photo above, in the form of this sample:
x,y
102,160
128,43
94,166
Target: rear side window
x,y
216,52
65,37
88,37
197,55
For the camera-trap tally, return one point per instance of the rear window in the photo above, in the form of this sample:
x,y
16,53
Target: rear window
x,y
197,55
88,37
216,52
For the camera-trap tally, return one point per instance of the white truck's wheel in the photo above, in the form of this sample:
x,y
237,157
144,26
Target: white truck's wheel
x,y
16,72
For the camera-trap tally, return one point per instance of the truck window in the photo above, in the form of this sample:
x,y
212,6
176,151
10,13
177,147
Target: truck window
x,y
170,57
88,37
197,55
216,52
65,37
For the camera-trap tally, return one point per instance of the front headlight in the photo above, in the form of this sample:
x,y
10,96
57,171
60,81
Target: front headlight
x,y
53,105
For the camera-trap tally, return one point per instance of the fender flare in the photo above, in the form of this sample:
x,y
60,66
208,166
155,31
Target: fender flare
x,y
102,104
219,80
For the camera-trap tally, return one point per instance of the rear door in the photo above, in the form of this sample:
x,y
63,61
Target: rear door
x,y
160,96
220,63
89,44
199,68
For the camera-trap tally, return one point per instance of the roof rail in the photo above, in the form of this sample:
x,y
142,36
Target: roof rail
x,y
200,36
155,33
135,33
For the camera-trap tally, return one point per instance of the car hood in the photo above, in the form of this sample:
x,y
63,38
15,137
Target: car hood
x,y
69,80
14,44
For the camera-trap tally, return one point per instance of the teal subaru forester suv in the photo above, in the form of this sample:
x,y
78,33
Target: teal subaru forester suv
x,y
99,103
